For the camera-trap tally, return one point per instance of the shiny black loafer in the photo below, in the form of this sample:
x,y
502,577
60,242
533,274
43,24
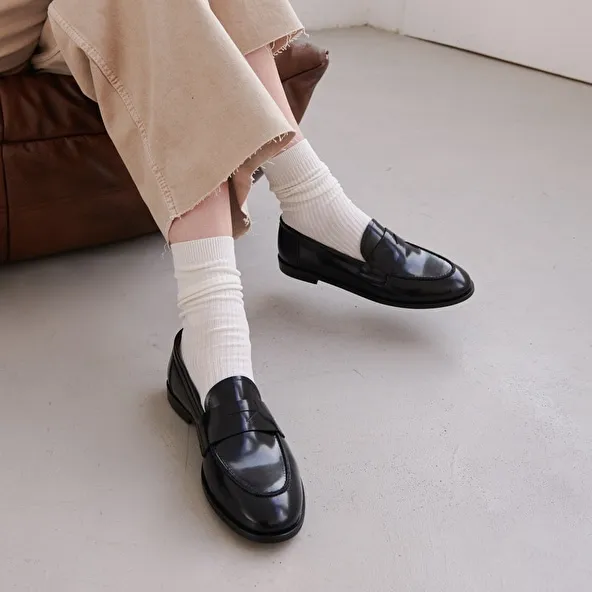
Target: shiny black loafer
x,y
248,473
394,272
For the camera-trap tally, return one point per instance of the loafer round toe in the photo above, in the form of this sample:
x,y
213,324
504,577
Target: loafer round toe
x,y
271,514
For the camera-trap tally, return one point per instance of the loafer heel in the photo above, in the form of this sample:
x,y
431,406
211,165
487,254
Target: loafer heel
x,y
297,274
178,407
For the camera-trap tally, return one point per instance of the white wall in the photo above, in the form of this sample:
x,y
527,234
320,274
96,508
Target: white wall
x,y
327,14
546,34
387,14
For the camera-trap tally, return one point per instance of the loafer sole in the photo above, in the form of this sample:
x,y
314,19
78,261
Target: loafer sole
x,y
314,278
276,537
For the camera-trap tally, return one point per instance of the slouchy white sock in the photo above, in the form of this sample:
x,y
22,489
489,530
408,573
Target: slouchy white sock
x,y
313,202
215,343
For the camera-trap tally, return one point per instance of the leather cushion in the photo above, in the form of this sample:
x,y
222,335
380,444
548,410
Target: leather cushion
x,y
62,184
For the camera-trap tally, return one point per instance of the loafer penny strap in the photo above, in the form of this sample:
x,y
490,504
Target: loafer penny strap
x,y
218,424
383,250
388,255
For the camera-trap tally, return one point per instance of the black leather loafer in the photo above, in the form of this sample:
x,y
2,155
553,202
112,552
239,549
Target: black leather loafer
x,y
394,272
248,473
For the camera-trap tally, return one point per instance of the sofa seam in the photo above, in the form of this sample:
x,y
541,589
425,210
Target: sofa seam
x,y
5,183
6,205
304,72
54,138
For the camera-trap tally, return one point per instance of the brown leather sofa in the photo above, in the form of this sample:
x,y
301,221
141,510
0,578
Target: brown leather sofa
x,y
62,184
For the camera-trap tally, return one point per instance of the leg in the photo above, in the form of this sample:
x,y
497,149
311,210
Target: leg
x,y
210,218
316,214
216,343
316,205
187,113
219,123
263,64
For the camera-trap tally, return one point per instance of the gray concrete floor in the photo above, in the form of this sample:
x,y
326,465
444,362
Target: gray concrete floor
x,y
443,451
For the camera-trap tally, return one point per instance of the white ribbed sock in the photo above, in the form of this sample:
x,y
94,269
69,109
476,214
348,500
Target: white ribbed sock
x,y
313,202
215,342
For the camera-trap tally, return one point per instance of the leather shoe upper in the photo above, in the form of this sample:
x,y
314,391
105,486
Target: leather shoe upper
x,y
384,251
249,468
249,473
393,272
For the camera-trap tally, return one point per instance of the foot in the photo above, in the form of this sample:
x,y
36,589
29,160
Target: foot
x,y
392,272
324,236
249,475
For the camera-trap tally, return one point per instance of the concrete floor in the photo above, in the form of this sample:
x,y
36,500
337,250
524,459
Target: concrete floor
x,y
442,451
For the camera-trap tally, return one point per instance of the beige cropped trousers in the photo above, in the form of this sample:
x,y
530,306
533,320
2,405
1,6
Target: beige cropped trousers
x,y
181,104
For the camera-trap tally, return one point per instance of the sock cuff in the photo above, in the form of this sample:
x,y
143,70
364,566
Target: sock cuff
x,y
292,164
218,248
